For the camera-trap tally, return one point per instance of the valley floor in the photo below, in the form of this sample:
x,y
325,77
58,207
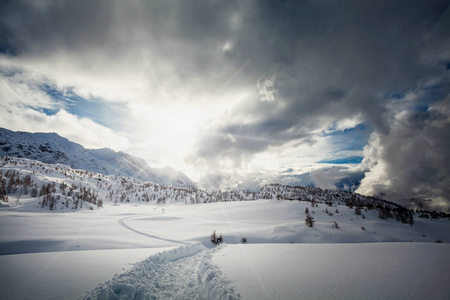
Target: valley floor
x,y
338,271
65,255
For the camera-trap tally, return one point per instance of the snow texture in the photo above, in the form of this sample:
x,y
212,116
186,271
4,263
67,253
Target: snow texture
x,y
182,273
337,271
64,275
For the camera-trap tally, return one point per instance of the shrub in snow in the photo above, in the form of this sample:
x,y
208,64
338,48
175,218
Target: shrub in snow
x,y
335,225
216,239
363,228
244,240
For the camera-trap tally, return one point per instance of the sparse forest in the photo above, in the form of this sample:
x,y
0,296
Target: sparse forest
x,y
59,187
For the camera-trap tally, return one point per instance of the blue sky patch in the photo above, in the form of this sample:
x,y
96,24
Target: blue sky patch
x,y
108,114
350,183
351,139
431,94
344,160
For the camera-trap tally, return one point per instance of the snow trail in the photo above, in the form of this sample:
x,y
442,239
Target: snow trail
x,y
123,224
186,272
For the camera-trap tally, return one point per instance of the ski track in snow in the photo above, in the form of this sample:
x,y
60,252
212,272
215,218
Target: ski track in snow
x,y
186,272
122,223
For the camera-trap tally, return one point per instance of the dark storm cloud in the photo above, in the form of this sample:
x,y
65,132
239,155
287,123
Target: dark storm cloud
x,y
40,26
331,62
328,59
186,34
334,61
305,65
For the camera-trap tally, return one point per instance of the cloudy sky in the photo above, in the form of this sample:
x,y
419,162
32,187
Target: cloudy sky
x,y
241,93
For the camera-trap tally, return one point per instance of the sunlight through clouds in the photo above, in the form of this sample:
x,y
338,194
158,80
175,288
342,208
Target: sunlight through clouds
x,y
235,93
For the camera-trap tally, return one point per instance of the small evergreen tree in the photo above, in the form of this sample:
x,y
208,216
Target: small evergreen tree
x,y
309,221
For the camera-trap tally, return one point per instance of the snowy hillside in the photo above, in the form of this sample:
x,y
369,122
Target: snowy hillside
x,y
277,242
285,242
54,149
32,186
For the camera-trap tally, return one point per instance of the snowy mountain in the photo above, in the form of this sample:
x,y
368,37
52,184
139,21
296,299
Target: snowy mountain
x,y
62,188
59,187
53,149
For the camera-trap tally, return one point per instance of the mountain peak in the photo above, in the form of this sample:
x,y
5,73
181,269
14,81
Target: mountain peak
x,y
52,148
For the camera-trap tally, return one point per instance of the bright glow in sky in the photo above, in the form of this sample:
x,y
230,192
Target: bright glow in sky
x,y
241,93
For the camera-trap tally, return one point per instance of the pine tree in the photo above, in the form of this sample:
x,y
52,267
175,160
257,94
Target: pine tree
x,y
309,221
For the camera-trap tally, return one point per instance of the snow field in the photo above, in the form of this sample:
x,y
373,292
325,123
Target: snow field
x,y
337,271
63,275
281,221
191,272
182,273
149,226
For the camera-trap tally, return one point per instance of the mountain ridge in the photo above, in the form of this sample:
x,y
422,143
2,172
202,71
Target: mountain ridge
x,y
54,149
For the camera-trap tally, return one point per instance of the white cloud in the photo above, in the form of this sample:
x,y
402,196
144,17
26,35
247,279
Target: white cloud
x,y
267,91
79,130
412,159
20,89
22,109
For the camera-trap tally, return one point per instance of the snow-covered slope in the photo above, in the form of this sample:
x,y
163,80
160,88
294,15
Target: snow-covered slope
x,y
66,216
54,149
31,186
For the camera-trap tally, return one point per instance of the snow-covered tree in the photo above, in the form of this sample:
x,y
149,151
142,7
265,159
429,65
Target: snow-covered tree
x,y
216,239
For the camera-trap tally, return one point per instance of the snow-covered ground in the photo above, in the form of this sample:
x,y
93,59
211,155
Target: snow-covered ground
x,y
75,248
63,275
337,271
315,265
149,226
